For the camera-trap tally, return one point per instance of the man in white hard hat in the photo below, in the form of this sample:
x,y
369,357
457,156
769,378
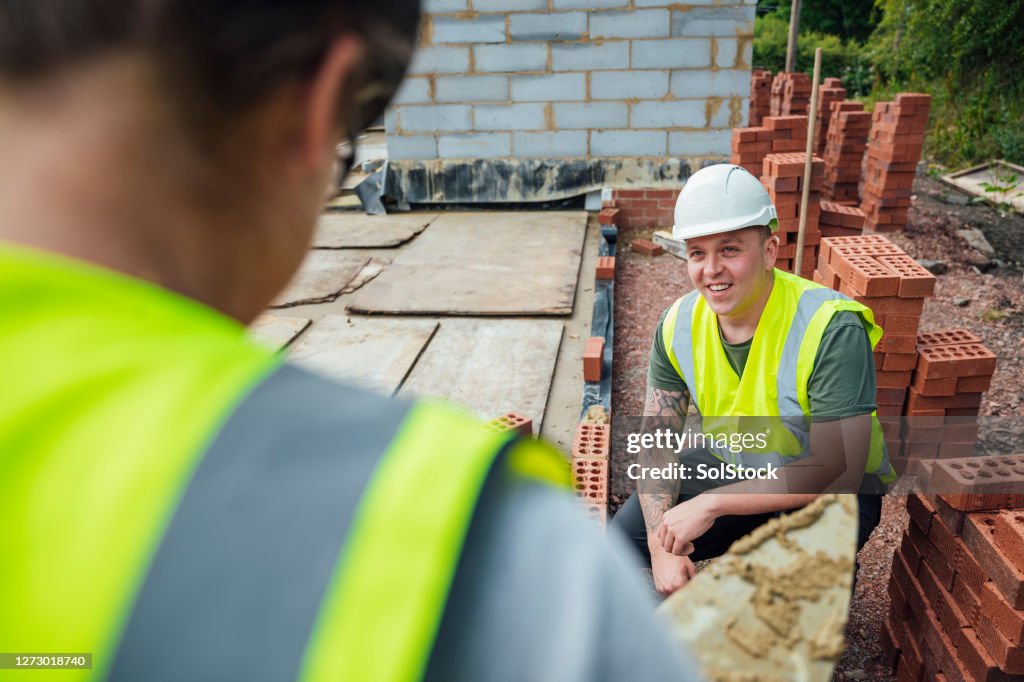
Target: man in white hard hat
x,y
779,371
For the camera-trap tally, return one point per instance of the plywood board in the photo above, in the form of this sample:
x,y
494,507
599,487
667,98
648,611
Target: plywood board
x,y
353,230
483,263
321,278
1004,182
490,366
277,332
373,352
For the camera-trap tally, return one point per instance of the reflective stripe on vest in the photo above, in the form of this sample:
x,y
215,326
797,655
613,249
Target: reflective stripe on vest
x,y
797,309
332,556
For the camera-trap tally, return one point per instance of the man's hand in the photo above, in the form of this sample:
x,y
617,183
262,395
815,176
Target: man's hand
x,y
684,523
670,571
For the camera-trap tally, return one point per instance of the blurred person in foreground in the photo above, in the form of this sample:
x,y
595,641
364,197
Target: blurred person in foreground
x,y
179,501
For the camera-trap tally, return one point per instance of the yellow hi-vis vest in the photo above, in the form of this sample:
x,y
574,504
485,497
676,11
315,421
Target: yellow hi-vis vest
x,y
770,399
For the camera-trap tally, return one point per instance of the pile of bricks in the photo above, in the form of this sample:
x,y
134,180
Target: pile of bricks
x,y
590,450
837,220
791,94
845,144
957,586
760,96
776,134
894,148
953,370
830,91
874,271
783,176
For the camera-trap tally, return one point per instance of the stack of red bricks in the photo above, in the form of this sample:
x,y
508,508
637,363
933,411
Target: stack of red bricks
x,y
845,144
957,585
644,207
783,176
953,370
894,148
590,449
830,91
838,220
760,96
874,271
776,134
791,94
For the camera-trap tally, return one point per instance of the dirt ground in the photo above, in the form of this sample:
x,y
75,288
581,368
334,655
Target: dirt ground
x,y
982,293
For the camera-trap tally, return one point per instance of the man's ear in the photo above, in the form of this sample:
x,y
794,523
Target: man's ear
x,y
325,97
771,251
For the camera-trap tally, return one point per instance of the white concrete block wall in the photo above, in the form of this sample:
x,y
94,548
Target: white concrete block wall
x,y
574,79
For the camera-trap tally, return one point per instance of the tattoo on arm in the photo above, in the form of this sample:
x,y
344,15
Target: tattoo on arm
x,y
662,410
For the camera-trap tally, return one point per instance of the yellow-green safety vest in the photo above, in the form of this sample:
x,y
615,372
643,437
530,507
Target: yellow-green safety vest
x,y
770,398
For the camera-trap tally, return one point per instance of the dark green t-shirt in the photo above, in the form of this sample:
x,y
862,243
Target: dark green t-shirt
x,y
842,383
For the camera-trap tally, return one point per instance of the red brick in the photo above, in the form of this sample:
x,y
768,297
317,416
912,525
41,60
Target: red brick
x,y
981,483
605,268
915,280
953,518
969,602
891,305
899,362
920,511
1008,579
968,570
951,618
892,379
607,216
898,344
890,652
946,337
592,441
1008,620
942,540
1009,535
1006,656
941,362
590,479
917,402
934,388
868,276
902,324
513,421
978,384
593,358
646,247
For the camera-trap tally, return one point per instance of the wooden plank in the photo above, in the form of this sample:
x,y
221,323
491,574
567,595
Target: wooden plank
x,y
373,352
490,366
999,174
321,278
277,332
483,263
357,230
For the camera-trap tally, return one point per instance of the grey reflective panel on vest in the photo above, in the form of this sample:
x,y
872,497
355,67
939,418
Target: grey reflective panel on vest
x,y
235,587
682,344
810,302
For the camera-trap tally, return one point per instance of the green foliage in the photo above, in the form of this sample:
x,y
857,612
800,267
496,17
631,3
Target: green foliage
x,y
849,20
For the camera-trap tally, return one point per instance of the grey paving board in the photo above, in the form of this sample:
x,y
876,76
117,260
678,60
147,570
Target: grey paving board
x,y
490,366
277,332
483,263
351,230
321,278
372,352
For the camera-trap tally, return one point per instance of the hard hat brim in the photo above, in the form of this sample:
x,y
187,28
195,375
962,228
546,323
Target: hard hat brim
x,y
767,217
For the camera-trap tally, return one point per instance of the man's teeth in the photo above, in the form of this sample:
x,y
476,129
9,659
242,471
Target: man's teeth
x,y
719,287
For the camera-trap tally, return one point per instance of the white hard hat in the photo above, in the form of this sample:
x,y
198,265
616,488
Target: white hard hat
x,y
722,198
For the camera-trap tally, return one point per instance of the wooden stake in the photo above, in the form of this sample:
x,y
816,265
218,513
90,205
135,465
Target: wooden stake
x,y
812,118
794,27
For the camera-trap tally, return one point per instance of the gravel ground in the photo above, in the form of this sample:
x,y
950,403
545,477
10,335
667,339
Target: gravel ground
x,y
975,293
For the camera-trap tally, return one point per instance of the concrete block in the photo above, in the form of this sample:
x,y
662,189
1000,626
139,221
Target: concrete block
x,y
413,91
521,116
687,113
590,4
483,29
474,145
391,120
509,5
644,23
730,55
444,6
628,143
713,21
733,83
549,88
411,147
612,54
431,118
553,26
628,84
699,143
440,60
721,115
550,144
510,57
592,115
471,89
673,54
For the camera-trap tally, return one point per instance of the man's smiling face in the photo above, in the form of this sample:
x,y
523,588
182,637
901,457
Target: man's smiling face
x,y
731,269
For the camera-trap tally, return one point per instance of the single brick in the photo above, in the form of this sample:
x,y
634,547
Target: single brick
x,y
477,30
549,87
590,479
950,617
607,215
896,361
953,518
547,144
1008,620
556,26
628,143
941,362
474,145
970,603
977,483
605,268
1006,656
934,388
591,115
1008,579
1009,535
920,511
613,54
619,85
592,441
687,113
646,247
593,358
946,337
512,421
915,280
868,276
510,58
632,24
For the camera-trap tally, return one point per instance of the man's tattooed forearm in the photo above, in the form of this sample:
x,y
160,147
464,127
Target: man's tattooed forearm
x,y
663,410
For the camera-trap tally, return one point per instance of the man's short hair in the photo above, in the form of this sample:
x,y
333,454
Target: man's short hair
x,y
216,58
